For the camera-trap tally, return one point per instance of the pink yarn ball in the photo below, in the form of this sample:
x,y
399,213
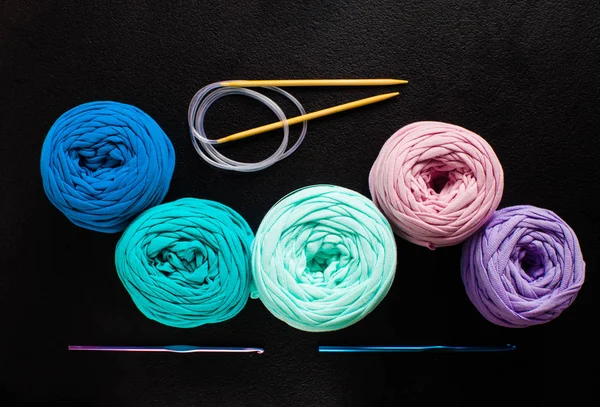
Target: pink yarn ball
x,y
437,183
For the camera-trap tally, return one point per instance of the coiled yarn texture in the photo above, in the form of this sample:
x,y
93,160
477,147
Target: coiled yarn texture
x,y
187,263
524,268
436,183
324,257
105,162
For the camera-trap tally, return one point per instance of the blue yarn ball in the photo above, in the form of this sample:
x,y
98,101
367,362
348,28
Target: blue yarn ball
x,y
105,162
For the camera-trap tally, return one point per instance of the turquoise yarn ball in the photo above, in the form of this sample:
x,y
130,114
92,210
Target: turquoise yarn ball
x,y
187,263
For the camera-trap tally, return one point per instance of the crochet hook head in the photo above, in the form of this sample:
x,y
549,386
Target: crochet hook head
x,y
169,349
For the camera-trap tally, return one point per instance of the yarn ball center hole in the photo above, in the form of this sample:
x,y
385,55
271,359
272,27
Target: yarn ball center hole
x,y
532,264
438,181
186,260
104,156
324,257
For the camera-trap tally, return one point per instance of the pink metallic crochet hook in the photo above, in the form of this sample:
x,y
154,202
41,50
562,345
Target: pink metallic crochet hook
x,y
170,349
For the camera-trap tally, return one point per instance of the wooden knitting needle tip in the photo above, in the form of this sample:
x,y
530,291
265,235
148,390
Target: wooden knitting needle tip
x,y
308,116
314,82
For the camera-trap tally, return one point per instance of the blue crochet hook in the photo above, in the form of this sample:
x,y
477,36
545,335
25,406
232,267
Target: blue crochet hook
x,y
410,349
170,349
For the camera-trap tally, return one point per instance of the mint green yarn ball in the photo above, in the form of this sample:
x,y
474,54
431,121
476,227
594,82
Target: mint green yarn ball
x,y
323,258
187,263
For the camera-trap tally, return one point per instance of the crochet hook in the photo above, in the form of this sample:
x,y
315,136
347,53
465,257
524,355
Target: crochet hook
x,y
410,349
314,82
170,349
308,116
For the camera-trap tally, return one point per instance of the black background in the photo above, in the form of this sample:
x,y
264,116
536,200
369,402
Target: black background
x,y
525,77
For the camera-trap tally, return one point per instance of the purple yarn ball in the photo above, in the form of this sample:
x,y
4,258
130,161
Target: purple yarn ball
x,y
523,268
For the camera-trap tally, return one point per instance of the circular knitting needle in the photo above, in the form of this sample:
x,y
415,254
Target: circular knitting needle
x,y
314,82
308,116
